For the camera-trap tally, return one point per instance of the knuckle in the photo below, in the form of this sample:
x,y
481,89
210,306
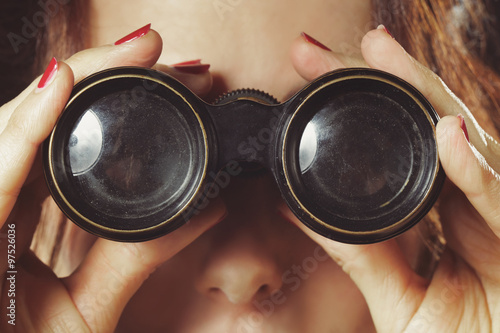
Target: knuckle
x,y
22,130
491,180
137,264
119,276
79,64
17,127
491,190
66,324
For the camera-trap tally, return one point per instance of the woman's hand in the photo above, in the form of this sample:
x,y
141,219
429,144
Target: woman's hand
x,y
93,297
464,293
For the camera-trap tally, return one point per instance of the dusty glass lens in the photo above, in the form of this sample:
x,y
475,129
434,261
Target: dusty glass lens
x,y
361,156
130,159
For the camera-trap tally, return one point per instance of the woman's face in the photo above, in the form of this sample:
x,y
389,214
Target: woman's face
x,y
254,271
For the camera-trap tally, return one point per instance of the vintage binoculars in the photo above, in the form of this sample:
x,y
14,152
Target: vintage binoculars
x,y
135,153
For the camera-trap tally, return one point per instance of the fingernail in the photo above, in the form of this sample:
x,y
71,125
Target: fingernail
x,y
48,75
313,41
463,126
134,35
382,27
192,69
186,63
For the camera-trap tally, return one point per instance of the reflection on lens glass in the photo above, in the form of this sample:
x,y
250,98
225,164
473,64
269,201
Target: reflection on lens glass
x,y
356,158
308,147
131,155
85,143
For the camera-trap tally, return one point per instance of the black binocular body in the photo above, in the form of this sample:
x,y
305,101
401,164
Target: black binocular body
x,y
136,154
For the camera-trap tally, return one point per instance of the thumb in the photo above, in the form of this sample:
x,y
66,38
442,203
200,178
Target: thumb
x,y
311,59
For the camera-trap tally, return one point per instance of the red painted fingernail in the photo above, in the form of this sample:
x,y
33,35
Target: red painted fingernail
x,y
192,69
186,63
382,27
463,126
49,74
314,41
134,35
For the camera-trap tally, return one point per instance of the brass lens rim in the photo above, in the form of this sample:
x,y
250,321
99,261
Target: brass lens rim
x,y
288,171
161,227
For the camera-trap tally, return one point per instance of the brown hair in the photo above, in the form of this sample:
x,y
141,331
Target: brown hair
x,y
458,39
32,33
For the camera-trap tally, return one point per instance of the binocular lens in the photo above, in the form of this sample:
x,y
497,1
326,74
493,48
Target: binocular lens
x,y
129,159
131,162
362,160
361,157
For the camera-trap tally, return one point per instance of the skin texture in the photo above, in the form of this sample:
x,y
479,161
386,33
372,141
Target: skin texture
x,y
246,43
246,264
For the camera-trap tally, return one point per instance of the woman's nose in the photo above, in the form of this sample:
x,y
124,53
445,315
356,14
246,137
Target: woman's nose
x,y
240,271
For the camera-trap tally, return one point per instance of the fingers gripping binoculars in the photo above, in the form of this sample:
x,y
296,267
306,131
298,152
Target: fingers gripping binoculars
x,y
135,153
